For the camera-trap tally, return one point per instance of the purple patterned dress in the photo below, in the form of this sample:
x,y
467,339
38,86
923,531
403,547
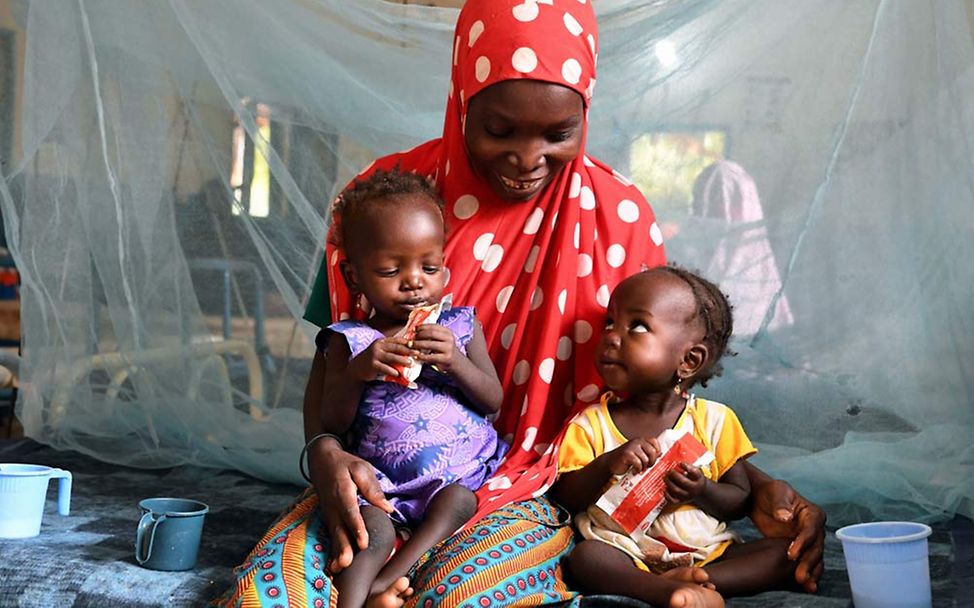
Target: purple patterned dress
x,y
420,440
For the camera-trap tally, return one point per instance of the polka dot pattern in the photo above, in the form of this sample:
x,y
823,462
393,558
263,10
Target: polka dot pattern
x,y
532,260
524,60
466,206
575,188
655,234
537,298
583,331
571,71
628,211
602,296
584,265
495,253
475,31
572,25
503,298
615,255
564,351
586,199
507,336
482,245
589,393
547,370
533,222
482,69
526,12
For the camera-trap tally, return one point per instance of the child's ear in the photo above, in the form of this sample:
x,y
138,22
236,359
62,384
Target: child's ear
x,y
694,360
348,273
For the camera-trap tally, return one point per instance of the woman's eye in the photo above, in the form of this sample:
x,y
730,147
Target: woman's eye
x,y
608,323
560,136
387,272
431,269
496,132
639,328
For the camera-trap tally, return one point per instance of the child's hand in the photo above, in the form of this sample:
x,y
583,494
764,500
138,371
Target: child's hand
x,y
379,358
636,454
684,483
436,345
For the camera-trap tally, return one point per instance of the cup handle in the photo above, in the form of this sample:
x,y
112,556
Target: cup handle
x,y
63,490
144,523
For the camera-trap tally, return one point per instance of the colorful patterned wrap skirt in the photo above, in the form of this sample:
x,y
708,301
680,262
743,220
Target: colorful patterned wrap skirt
x,y
511,557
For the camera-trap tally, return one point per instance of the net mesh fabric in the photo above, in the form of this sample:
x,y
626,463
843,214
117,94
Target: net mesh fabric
x,y
176,161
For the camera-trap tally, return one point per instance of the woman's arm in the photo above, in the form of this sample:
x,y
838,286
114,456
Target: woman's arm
x,y
344,390
338,477
778,511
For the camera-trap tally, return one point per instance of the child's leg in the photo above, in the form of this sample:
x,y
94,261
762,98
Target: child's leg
x,y
353,583
597,567
753,567
450,508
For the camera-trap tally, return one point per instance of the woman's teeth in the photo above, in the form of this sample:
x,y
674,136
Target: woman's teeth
x,y
519,185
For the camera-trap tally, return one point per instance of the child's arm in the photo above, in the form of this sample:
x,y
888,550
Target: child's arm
x,y
345,378
576,490
726,499
474,373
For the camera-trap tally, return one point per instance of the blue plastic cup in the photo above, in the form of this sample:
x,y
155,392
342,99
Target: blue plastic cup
x,y
23,490
168,536
887,564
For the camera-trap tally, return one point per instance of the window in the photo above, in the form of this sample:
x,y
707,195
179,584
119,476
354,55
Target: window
x,y
664,164
250,175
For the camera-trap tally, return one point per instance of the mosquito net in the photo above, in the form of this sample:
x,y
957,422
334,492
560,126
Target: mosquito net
x,y
168,202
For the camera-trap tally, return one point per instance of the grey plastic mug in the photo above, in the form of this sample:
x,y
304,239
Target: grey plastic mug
x,y
168,536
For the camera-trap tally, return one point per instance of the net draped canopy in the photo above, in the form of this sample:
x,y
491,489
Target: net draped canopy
x,y
166,195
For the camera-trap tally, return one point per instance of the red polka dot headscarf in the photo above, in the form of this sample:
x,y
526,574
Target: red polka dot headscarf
x,y
539,272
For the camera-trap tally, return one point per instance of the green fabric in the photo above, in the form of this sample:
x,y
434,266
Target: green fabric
x,y
318,310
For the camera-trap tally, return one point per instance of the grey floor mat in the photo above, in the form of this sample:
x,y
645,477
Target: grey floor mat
x,y
87,559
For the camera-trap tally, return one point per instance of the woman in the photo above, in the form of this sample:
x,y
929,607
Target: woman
x,y
539,234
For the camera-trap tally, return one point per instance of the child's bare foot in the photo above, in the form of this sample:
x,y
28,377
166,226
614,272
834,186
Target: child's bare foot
x,y
395,596
697,576
696,596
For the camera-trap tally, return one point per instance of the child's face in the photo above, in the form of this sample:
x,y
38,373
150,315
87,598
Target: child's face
x,y
650,327
396,257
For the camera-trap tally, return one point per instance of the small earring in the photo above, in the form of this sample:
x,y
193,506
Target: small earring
x,y
361,302
678,387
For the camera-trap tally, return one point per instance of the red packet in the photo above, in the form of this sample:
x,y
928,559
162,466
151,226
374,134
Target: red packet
x,y
637,499
419,316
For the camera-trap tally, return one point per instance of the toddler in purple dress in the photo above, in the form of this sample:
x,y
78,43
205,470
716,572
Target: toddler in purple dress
x,y
430,445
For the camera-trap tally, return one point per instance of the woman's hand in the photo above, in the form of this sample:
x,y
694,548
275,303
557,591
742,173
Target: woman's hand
x,y
339,477
780,512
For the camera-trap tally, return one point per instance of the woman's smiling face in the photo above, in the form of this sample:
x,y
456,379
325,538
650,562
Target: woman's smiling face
x,y
521,133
